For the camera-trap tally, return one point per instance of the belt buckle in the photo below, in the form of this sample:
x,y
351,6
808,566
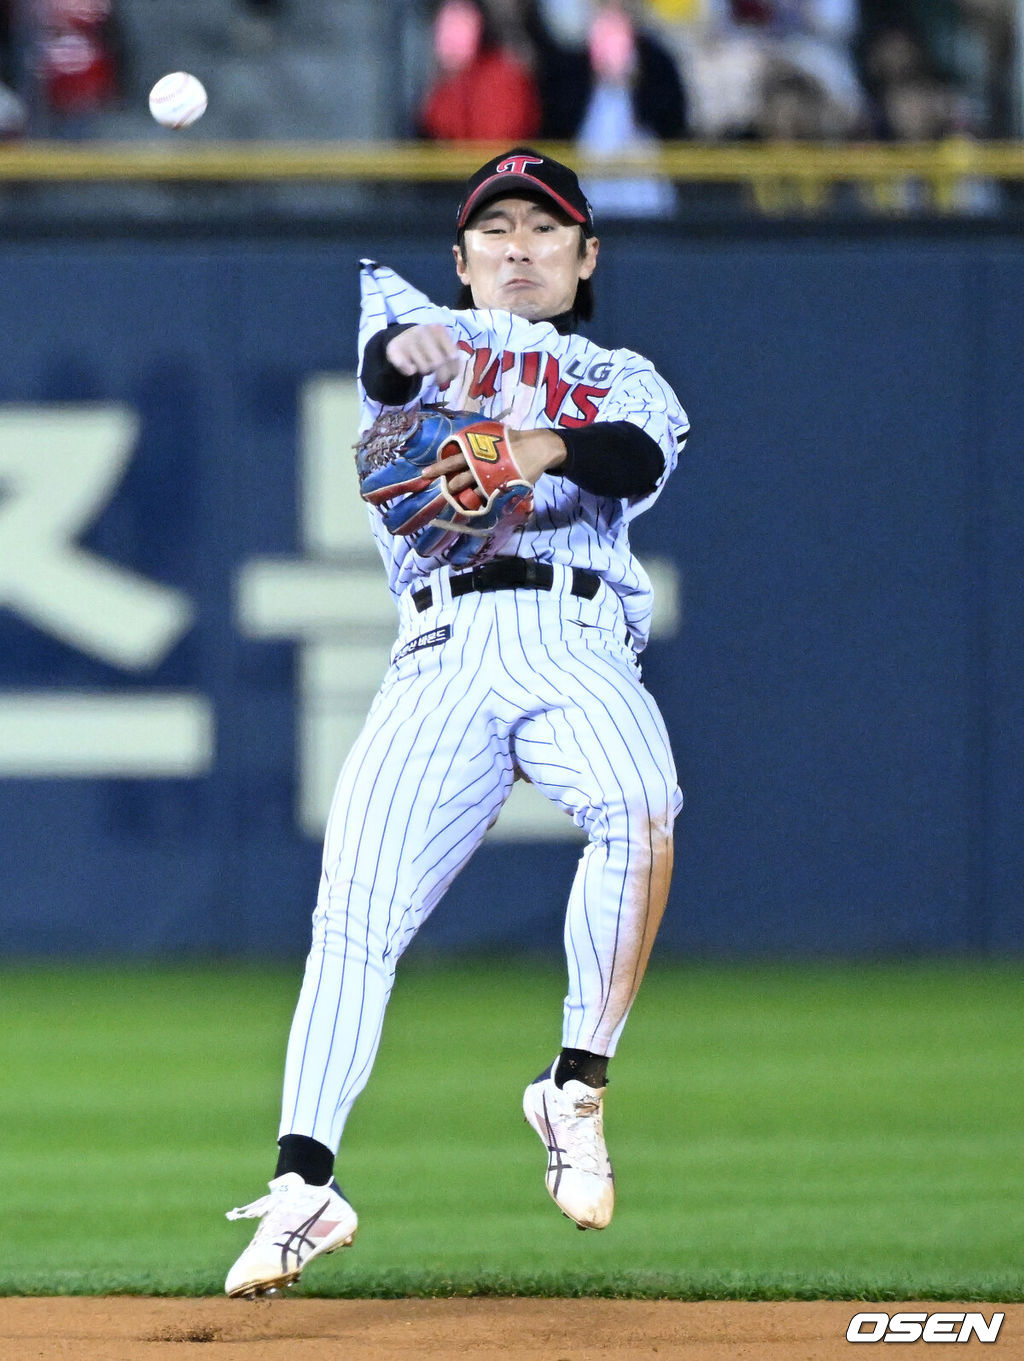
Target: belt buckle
x,y
477,579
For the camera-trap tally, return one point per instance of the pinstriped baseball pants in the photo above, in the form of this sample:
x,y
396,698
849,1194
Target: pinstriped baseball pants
x,y
481,689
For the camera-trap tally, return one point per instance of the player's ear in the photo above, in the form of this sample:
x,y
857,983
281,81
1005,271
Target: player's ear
x,y
588,260
460,264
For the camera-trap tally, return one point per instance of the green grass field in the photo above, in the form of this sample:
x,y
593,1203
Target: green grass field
x,y
784,1131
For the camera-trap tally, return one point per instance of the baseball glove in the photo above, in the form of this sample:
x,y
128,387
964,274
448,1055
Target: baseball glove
x,y
464,528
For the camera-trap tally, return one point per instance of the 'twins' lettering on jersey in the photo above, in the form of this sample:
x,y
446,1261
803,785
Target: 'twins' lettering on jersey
x,y
571,397
528,375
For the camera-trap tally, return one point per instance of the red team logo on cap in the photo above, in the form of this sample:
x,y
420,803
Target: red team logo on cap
x,y
516,165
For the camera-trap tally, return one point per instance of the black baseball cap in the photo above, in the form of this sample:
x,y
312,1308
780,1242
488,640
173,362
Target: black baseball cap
x,y
524,170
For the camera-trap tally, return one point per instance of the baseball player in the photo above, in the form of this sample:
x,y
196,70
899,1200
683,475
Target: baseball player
x,y
502,457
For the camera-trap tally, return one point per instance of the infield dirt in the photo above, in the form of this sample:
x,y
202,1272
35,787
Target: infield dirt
x,y
137,1329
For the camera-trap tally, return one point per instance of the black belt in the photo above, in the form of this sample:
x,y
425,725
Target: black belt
x,y
508,574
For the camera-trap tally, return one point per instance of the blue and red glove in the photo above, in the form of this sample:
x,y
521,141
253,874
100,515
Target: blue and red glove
x,y
464,528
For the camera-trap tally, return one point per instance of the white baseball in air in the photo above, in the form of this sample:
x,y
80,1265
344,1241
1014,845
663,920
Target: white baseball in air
x,y
177,100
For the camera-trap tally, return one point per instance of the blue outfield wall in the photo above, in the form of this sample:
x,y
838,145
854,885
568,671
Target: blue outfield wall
x,y
191,618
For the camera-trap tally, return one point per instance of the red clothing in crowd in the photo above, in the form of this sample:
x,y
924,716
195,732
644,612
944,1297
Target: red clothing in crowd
x,y
493,99
77,58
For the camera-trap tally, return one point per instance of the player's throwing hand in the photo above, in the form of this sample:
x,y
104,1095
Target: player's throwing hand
x,y
428,351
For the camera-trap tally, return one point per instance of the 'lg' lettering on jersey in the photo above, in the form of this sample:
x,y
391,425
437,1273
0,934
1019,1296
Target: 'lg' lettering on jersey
x,y
567,402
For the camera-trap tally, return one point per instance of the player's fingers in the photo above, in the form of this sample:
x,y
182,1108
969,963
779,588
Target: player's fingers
x,y
443,354
441,340
454,463
460,481
437,355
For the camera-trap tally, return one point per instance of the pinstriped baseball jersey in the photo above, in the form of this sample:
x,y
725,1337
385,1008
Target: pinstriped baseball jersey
x,y
529,375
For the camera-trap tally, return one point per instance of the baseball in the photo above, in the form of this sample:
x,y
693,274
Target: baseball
x,y
177,100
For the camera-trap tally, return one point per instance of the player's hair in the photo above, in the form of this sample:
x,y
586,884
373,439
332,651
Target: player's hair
x,y
583,304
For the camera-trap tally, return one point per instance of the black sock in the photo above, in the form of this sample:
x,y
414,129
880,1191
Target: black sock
x,y
313,1161
582,1066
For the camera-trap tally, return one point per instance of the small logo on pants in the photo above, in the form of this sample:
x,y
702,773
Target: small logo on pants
x,y
432,638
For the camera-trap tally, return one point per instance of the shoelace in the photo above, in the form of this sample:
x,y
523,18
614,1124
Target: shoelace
x,y
291,1204
255,1210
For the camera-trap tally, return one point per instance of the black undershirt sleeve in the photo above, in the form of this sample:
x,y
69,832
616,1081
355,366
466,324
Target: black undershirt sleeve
x,y
381,380
611,458
608,458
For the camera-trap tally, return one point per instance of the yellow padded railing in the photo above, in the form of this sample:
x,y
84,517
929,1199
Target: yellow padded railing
x,y
804,171
176,158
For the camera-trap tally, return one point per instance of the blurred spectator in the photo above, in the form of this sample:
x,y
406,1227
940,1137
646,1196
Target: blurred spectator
x,y
625,55
924,108
610,84
793,107
914,100
723,66
968,42
913,97
634,100
816,38
483,90
733,51
918,107
588,48
894,58
985,63
13,114
78,59
890,53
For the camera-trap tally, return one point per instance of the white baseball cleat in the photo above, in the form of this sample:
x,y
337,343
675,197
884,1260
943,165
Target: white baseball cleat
x,y
570,1123
300,1222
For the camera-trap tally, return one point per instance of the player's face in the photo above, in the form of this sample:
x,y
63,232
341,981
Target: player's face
x,y
524,258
